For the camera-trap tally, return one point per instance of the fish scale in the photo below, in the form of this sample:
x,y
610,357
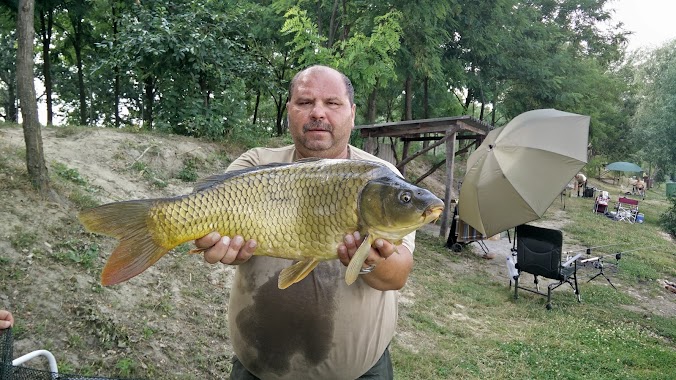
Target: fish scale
x,y
300,211
283,204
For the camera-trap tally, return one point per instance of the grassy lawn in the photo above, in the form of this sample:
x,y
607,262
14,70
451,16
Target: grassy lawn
x,y
459,320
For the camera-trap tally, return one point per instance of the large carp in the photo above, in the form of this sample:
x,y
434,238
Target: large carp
x,y
299,211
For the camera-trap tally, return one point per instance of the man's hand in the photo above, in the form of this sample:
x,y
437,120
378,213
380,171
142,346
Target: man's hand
x,y
392,263
6,319
229,251
383,249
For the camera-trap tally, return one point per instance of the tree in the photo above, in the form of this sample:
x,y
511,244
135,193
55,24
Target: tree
x,y
8,96
46,9
35,159
654,128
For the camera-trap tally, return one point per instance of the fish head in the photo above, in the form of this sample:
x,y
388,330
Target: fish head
x,y
393,208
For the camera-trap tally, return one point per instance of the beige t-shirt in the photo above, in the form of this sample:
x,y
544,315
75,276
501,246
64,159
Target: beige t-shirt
x,y
319,328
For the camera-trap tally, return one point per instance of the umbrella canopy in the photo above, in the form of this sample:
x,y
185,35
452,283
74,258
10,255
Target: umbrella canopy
x,y
520,169
624,167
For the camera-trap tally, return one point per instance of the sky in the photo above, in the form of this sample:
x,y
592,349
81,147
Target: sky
x,y
652,21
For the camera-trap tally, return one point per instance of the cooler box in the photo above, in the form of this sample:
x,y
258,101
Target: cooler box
x,y
671,189
588,192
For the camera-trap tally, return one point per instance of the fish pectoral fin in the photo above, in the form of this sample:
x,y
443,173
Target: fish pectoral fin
x,y
358,260
196,250
296,272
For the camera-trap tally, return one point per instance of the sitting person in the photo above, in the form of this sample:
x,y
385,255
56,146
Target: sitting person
x,y
601,204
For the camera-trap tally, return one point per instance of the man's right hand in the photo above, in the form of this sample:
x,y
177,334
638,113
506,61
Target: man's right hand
x,y
223,249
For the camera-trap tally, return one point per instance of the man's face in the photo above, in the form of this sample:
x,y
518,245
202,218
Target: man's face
x,y
320,114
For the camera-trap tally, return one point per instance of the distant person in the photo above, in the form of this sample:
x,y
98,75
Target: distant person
x,y
580,183
639,188
6,319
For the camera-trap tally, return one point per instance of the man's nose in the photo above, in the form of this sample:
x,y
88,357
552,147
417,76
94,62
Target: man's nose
x,y
318,111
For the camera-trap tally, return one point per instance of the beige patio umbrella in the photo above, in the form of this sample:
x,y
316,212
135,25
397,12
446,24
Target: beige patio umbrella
x,y
520,168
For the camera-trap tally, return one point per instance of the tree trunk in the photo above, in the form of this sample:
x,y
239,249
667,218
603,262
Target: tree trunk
x,y
116,70
204,89
46,23
332,24
319,17
426,105
12,111
408,99
346,27
35,160
258,102
149,96
493,109
80,82
426,98
468,100
280,115
371,110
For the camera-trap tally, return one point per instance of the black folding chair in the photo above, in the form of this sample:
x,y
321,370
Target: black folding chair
x,y
538,252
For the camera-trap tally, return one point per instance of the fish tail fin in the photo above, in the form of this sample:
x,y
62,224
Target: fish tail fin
x,y
126,221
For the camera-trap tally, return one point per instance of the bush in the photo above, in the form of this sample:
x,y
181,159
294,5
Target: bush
x,y
668,218
189,171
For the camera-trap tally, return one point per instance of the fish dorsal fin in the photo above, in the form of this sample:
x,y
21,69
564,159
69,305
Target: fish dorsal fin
x,y
358,259
308,159
296,272
210,181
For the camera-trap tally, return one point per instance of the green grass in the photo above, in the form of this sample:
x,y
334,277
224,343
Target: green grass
x,y
457,321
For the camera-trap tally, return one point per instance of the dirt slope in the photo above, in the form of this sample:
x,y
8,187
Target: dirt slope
x,y
50,266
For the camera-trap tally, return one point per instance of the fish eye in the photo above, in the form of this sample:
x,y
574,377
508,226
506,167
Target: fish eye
x,y
405,197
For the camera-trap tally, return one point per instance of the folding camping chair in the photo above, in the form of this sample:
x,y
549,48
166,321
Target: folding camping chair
x,y
462,234
601,203
14,369
538,252
626,209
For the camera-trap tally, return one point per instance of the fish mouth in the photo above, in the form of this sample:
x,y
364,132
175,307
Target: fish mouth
x,y
433,213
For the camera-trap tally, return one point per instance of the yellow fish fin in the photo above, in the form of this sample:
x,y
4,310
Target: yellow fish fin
x,y
358,260
137,249
296,272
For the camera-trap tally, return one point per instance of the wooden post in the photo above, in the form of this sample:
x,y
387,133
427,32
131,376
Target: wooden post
x,y
450,163
404,156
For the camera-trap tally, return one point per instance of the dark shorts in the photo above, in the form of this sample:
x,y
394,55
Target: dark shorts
x,y
382,370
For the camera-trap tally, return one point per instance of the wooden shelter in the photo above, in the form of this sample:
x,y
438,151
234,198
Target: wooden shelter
x,y
439,131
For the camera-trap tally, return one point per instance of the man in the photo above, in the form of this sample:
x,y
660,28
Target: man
x,y
580,183
319,328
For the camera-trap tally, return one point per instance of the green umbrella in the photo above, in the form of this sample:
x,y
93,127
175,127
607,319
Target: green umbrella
x,y
519,169
624,167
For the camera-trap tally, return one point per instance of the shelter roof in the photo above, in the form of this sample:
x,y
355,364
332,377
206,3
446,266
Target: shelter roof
x,y
412,128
